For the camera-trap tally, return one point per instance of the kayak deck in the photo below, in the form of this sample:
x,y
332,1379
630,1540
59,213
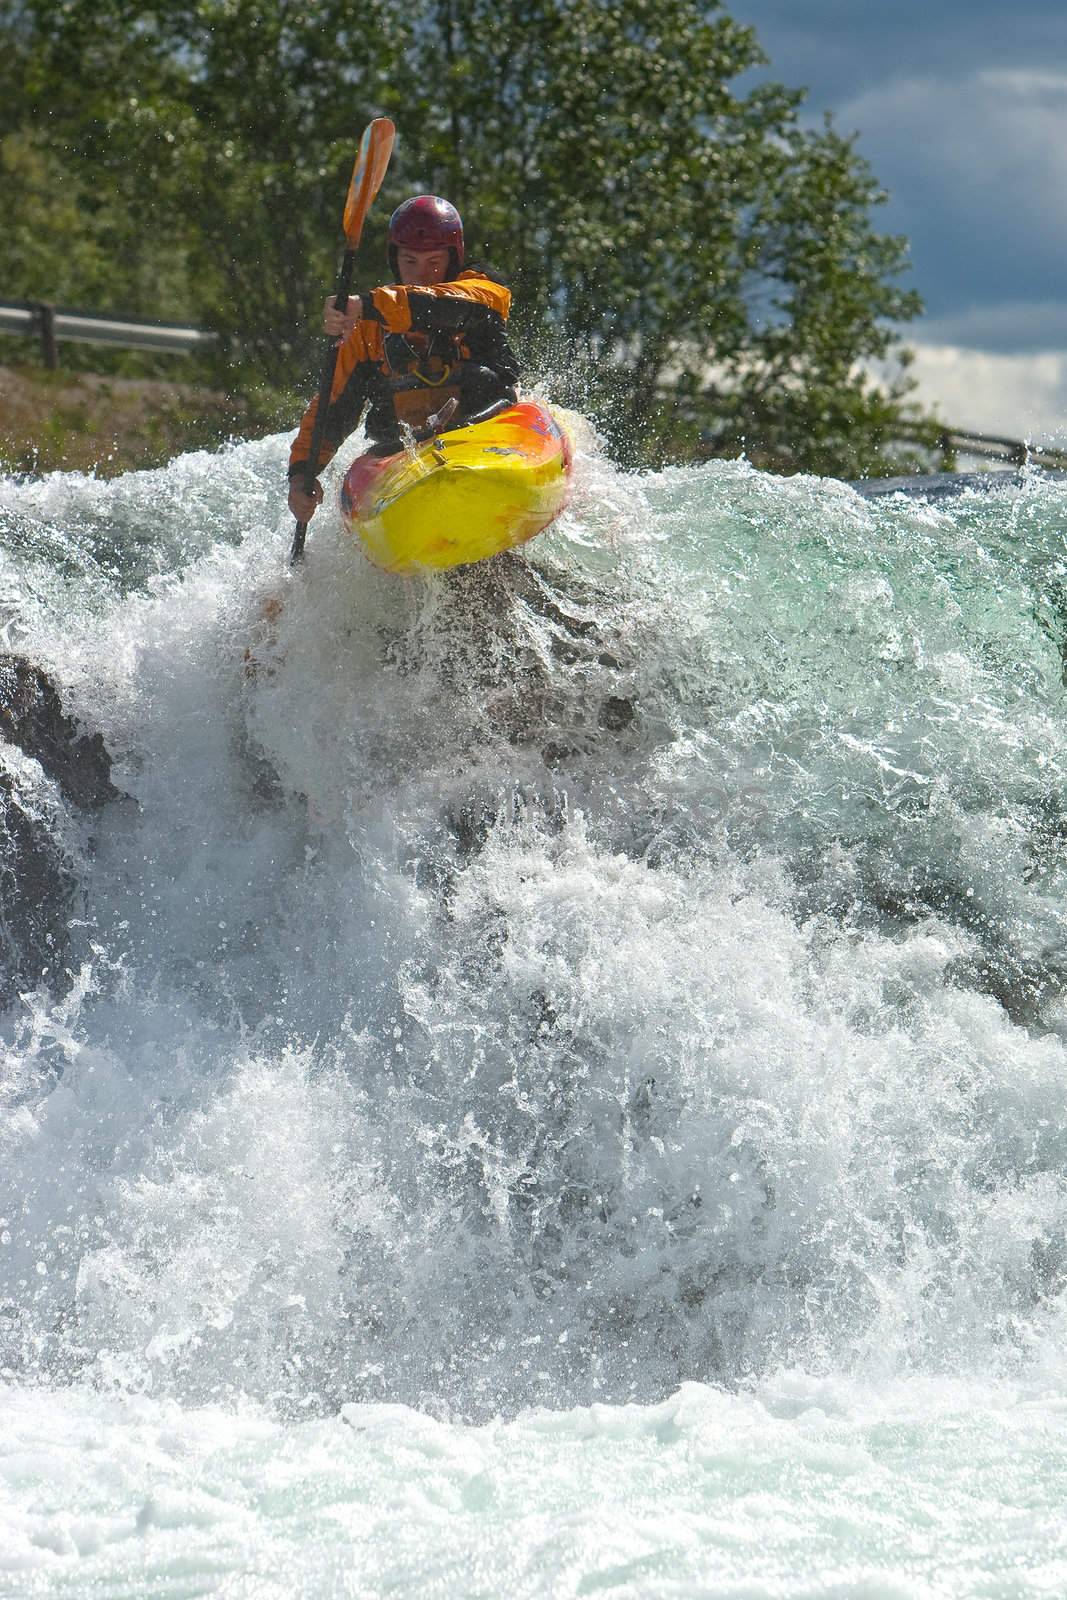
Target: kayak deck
x,y
463,495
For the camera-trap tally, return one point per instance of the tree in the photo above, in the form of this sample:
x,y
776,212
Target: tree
x,y
227,129
691,264
706,269
70,237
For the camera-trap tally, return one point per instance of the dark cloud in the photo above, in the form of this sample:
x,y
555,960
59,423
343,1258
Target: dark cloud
x,y
1014,327
961,110
976,169
840,48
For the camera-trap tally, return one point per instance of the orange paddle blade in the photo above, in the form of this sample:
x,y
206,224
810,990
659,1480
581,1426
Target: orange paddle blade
x,y
375,148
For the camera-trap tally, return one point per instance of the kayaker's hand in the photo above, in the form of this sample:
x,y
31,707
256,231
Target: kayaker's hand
x,y
339,324
303,505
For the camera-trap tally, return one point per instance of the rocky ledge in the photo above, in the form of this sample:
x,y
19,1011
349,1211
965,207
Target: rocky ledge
x,y
38,887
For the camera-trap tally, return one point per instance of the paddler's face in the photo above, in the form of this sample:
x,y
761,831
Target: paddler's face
x,y
422,266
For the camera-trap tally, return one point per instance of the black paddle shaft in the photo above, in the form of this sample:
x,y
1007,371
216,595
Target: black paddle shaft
x,y
329,367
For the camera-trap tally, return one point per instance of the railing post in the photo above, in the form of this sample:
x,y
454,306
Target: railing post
x,y
45,313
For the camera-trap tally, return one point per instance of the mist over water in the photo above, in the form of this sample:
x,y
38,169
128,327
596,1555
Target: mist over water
x,y
634,962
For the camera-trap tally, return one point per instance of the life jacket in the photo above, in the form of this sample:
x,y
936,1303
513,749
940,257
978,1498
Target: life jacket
x,y
423,372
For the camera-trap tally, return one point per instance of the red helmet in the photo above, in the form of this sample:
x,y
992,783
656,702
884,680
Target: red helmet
x,y
427,223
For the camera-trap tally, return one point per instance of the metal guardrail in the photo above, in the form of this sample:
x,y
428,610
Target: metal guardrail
x,y
993,447
49,324
985,446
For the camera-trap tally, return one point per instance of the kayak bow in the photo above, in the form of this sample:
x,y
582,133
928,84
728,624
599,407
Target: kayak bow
x,y
462,495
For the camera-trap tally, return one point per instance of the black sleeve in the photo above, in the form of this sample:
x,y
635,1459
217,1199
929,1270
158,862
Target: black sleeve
x,y
344,412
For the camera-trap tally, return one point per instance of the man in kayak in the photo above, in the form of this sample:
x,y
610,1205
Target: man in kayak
x,y
433,341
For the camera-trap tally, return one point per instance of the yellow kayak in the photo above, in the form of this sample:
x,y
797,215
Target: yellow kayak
x,y
462,495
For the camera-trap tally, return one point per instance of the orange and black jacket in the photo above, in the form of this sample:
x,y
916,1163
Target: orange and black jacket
x,y
412,350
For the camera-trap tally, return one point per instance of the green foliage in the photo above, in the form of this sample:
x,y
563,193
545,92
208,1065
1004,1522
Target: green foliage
x,y
691,263
85,422
79,247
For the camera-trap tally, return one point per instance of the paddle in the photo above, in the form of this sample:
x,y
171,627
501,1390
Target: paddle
x,y
375,148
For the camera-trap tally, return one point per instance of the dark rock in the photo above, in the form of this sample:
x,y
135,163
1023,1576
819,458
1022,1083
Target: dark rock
x,y
37,897
617,713
38,887
31,716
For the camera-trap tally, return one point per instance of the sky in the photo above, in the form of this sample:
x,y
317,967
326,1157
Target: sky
x,y
961,109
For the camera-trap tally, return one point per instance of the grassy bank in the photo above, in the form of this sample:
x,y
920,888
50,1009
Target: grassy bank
x,y
90,423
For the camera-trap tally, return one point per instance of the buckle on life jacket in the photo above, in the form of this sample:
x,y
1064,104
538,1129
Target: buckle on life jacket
x,y
419,378
415,404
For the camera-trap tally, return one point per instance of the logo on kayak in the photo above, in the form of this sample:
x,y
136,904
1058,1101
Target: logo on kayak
x,y
545,425
500,450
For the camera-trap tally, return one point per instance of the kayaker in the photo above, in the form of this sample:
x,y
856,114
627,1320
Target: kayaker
x,y
438,333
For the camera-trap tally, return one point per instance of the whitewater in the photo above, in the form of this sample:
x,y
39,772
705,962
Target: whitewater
x,y
557,1086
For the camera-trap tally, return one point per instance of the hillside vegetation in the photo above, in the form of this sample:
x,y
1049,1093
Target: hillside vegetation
x,y
80,421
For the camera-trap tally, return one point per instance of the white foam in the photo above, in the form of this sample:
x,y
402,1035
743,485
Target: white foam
x,y
549,985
